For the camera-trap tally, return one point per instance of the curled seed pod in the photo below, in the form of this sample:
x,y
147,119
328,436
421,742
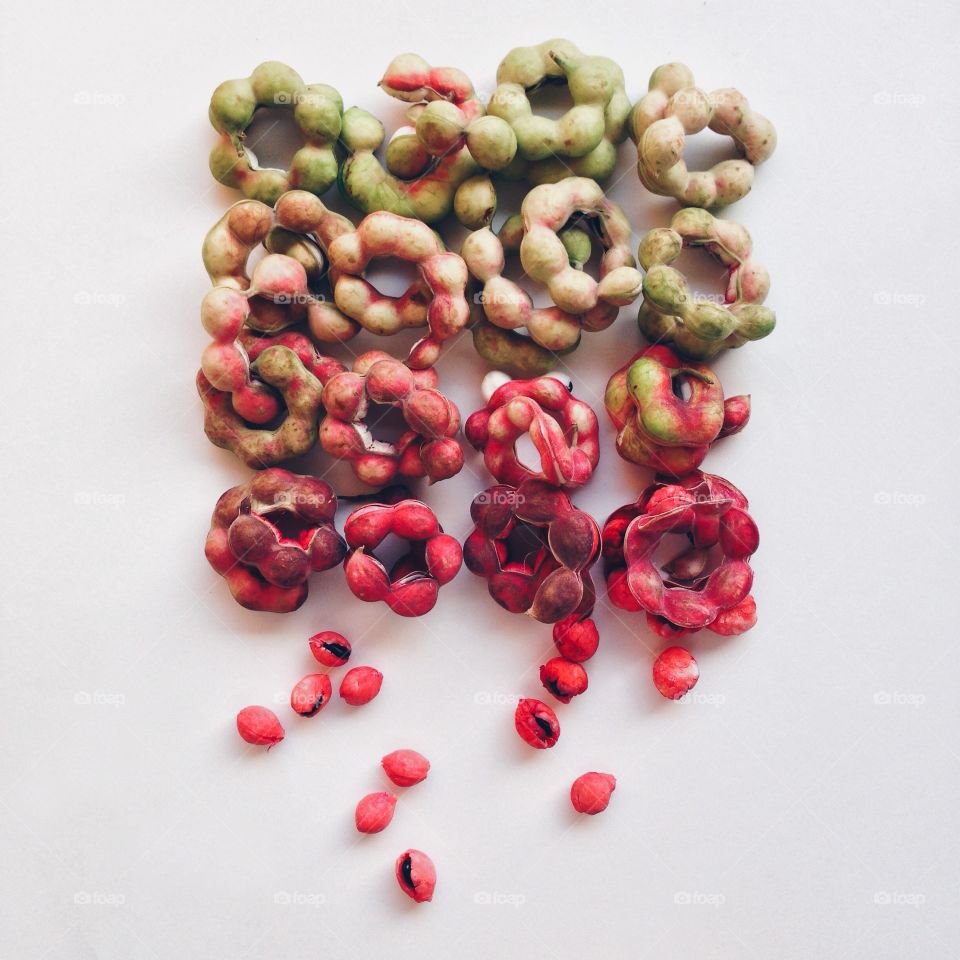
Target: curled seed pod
x,y
675,672
360,685
536,723
330,648
576,639
405,767
311,694
259,726
374,812
416,875
590,792
564,678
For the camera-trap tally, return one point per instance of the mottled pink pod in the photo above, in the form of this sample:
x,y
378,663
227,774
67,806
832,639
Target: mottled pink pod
x,y
564,678
576,639
695,587
330,648
259,726
416,875
405,767
590,792
563,430
675,672
360,685
374,812
536,723
660,425
427,447
311,694
736,414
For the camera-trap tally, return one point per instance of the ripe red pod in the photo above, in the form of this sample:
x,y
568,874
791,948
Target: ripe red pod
x,y
374,812
405,767
564,678
576,639
684,594
410,588
675,672
259,726
360,685
416,875
311,694
536,723
590,792
330,648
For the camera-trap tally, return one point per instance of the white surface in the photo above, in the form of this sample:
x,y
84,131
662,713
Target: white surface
x,y
804,805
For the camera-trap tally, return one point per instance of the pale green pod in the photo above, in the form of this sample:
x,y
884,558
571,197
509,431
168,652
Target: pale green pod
x,y
672,110
440,127
405,156
316,111
492,142
475,202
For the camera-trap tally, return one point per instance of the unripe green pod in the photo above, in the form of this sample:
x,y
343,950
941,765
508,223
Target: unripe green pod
x,y
492,142
405,156
475,202
512,352
440,127
316,111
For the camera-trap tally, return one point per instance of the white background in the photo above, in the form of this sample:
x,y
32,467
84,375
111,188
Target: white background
x,y
803,805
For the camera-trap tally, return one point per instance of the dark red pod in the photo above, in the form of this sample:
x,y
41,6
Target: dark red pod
x,y
564,678
536,723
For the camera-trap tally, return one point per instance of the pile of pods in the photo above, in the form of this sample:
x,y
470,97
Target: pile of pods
x,y
271,393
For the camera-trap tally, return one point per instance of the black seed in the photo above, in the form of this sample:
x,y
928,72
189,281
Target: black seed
x,y
545,726
338,650
406,872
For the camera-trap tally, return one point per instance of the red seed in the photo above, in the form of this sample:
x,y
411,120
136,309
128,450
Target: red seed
x,y
360,685
416,875
536,723
590,792
330,648
575,639
675,672
405,767
259,726
311,694
374,812
563,678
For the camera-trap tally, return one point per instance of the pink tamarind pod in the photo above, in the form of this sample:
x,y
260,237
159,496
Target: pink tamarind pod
x,y
416,875
590,792
536,723
405,767
259,726
374,812
675,672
